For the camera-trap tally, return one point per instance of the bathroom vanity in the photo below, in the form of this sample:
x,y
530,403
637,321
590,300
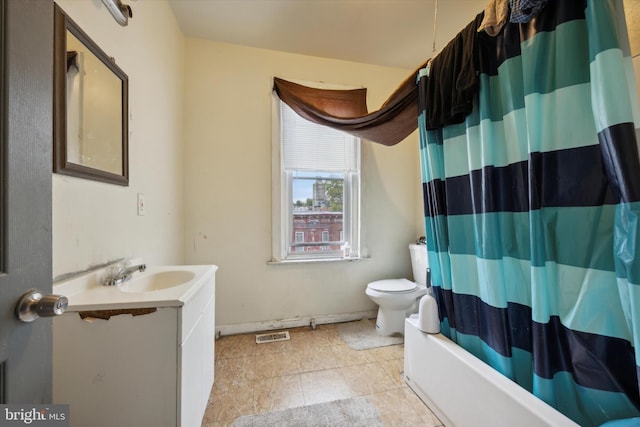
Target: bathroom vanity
x,y
138,354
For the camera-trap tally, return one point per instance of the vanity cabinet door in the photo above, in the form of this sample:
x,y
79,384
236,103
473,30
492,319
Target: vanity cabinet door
x,y
197,360
118,372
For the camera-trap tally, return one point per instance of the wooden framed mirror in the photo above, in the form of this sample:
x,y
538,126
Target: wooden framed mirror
x,y
90,116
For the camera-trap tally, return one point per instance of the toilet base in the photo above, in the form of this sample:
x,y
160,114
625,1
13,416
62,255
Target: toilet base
x,y
390,322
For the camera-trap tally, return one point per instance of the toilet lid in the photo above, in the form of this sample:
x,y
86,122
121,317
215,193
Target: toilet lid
x,y
392,285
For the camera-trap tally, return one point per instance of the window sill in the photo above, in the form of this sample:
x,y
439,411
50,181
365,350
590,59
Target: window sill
x,y
315,260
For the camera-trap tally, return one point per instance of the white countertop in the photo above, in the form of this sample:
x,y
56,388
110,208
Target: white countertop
x,y
86,292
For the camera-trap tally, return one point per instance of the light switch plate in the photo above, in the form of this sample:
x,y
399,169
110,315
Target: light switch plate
x,y
142,208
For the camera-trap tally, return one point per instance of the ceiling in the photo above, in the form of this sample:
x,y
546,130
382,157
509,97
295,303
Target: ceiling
x,y
394,33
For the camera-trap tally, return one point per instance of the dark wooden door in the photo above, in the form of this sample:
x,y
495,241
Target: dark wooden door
x,y
25,195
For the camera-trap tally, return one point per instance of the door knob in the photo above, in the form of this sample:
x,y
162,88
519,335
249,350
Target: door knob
x,y
33,305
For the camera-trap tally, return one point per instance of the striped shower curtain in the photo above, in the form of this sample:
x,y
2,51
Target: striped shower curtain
x,y
532,212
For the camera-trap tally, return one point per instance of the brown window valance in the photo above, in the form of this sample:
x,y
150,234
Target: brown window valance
x,y
346,110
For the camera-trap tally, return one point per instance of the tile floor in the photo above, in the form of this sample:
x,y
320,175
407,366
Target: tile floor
x,y
314,366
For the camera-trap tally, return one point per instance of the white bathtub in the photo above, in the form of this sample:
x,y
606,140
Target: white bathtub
x,y
464,391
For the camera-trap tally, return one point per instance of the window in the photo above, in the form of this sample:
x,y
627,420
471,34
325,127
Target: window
x,y
299,239
316,189
325,238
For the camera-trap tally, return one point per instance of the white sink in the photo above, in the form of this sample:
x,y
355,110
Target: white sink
x,y
158,281
158,286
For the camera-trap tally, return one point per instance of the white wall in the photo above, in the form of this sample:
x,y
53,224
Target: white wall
x,y
94,222
228,187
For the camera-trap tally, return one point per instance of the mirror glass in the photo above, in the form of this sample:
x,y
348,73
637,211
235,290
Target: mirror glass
x,y
90,115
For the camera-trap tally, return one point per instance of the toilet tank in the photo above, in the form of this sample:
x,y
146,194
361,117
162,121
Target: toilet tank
x,y
419,263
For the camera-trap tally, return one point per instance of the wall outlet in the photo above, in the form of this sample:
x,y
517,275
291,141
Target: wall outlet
x,y
142,208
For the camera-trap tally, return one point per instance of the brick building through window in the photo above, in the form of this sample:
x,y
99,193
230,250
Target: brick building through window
x,y
321,231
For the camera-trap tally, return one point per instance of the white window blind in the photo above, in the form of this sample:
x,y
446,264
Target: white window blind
x,y
309,147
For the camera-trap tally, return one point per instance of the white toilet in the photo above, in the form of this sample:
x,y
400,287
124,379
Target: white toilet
x,y
398,298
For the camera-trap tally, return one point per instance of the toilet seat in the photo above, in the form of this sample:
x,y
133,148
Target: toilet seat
x,y
393,286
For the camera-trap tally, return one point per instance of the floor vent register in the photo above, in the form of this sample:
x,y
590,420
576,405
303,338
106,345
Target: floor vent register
x,y
272,337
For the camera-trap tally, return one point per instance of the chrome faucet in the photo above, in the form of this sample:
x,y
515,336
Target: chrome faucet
x,y
120,274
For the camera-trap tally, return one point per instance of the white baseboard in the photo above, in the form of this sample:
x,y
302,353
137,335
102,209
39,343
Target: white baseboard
x,y
246,328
